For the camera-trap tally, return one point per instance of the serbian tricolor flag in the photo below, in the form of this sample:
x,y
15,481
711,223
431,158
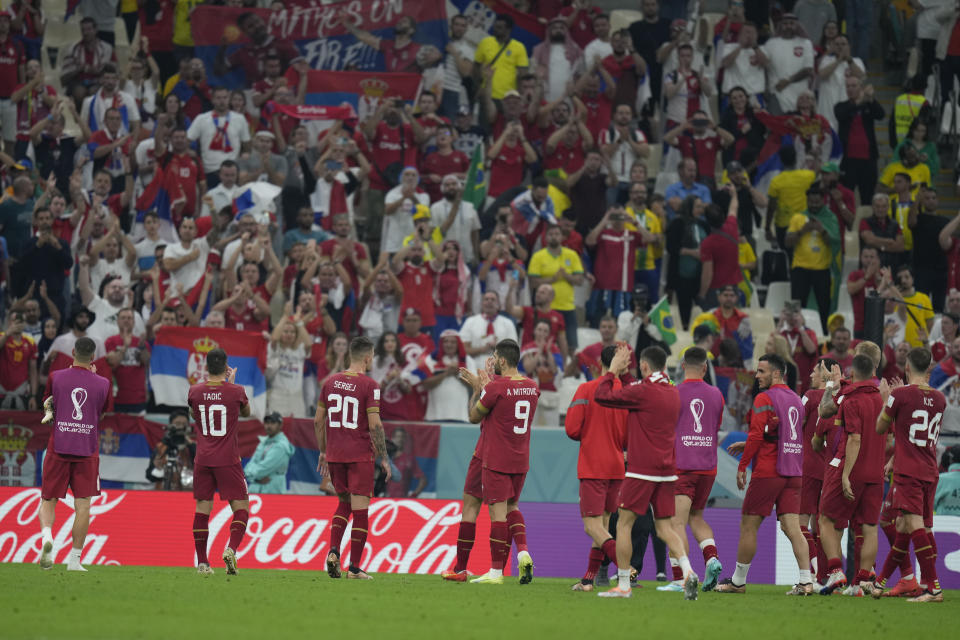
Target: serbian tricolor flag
x,y
781,131
480,15
71,9
179,359
164,194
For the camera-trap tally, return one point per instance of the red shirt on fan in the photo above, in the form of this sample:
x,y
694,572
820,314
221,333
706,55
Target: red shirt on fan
x,y
602,433
599,110
804,360
720,247
858,145
245,319
508,406
616,255
568,158
386,148
654,406
327,247
15,358
813,461
403,59
215,407
418,291
858,299
860,405
349,398
506,169
530,317
441,165
915,449
130,375
12,57
188,175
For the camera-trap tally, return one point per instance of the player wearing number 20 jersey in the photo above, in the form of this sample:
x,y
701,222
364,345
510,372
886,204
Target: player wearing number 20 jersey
x,y
217,406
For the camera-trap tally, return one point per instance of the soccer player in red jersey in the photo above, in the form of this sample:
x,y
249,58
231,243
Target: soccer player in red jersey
x,y
853,478
773,445
602,433
505,407
217,406
701,411
78,397
813,464
351,438
654,406
914,411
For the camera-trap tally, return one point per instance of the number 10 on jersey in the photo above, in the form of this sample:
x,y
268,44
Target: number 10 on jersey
x,y
213,416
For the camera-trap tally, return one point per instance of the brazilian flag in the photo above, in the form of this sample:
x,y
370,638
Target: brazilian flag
x,y
662,319
476,190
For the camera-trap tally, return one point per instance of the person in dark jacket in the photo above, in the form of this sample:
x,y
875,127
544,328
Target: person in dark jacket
x,y
857,117
749,134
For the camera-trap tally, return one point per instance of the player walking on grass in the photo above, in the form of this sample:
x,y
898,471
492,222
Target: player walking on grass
x,y
654,406
602,434
813,465
853,479
505,407
350,438
773,444
701,411
217,406
78,397
915,412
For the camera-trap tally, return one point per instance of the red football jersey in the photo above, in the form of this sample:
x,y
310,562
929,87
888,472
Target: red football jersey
x,y
916,411
348,398
508,405
813,461
859,406
216,412
654,406
531,315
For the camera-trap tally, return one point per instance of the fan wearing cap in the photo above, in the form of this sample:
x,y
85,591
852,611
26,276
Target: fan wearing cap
x,y
266,472
400,204
416,273
448,395
429,236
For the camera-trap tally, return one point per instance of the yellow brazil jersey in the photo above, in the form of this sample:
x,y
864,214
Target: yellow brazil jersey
x,y
181,22
790,190
811,251
646,256
746,255
901,213
505,66
919,174
437,238
545,265
920,314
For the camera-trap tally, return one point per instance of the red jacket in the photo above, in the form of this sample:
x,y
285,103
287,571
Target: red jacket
x,y
602,433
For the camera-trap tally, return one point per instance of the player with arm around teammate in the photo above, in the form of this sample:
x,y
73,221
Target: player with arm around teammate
x,y
350,436
78,397
217,406
505,407
914,412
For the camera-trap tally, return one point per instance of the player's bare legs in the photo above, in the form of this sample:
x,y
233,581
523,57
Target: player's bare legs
x,y
746,549
681,517
703,534
358,535
499,544
790,525
81,523
675,545
809,531
47,515
517,532
910,530
830,538
466,535
598,528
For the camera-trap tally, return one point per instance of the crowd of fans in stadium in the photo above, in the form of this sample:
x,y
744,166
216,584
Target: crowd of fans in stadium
x,y
620,166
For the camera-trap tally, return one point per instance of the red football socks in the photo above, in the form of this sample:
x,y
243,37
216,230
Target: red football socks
x,y
927,557
238,527
358,536
465,537
518,530
906,567
899,549
677,571
338,524
593,565
499,545
834,564
709,551
200,523
857,545
811,543
609,548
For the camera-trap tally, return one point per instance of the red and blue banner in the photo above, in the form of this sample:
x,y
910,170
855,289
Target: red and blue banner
x,y
179,360
317,32
529,30
356,93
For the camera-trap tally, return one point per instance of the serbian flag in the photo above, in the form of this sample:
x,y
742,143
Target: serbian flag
x,y
163,194
61,357
781,132
179,360
480,16
256,200
71,9
350,95
529,219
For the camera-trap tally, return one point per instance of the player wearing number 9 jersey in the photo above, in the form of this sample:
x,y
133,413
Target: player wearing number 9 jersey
x,y
216,406
350,436
915,412
505,407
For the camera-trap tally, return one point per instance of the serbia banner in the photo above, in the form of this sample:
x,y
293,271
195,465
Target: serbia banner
x,y
347,95
314,30
180,359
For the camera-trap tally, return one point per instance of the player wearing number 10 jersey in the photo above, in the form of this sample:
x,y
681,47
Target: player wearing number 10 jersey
x,y
505,407
350,436
915,411
216,406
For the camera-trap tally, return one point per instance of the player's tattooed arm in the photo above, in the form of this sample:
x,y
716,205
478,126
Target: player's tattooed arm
x,y
828,404
380,444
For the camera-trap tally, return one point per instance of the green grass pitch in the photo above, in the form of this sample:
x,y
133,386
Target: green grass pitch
x,y
174,603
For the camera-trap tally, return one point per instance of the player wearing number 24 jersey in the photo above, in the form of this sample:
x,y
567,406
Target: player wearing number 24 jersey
x,y
217,406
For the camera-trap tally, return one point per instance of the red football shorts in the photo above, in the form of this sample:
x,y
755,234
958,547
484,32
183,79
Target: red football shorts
x,y
81,474
914,496
355,478
598,496
501,487
695,486
473,483
639,495
810,495
864,508
765,493
227,480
